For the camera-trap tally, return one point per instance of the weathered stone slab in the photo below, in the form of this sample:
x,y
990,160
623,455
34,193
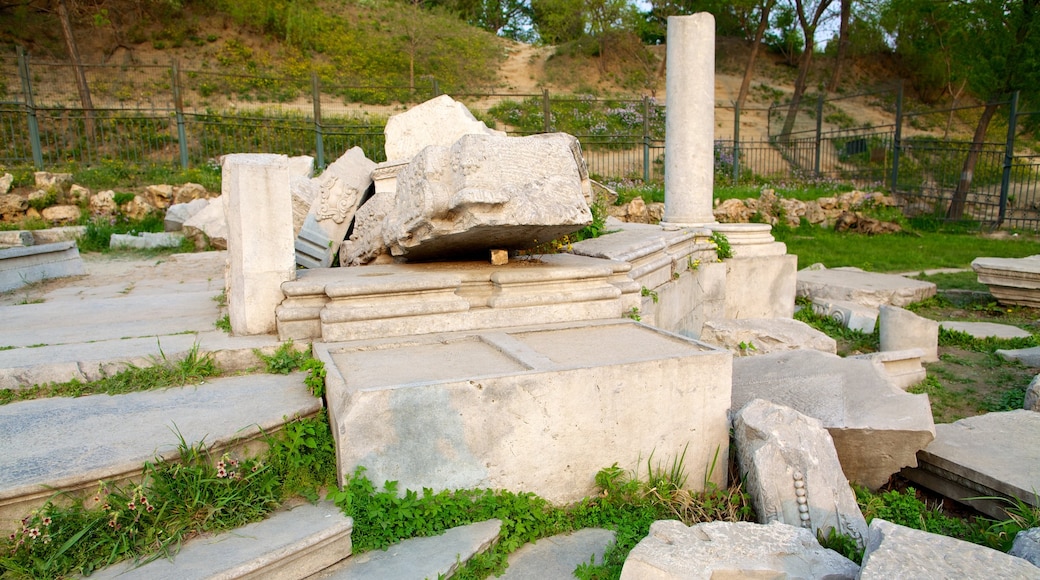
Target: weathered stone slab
x,y
179,213
1011,280
849,314
1027,546
1027,356
146,240
1032,400
28,264
991,455
986,329
895,551
17,238
448,418
429,557
866,288
558,556
877,428
714,550
904,330
366,242
903,367
792,470
290,544
488,192
440,121
5,183
340,190
765,335
761,286
209,224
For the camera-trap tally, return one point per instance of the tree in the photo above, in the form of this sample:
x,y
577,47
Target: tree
x,y
809,18
763,22
558,21
508,18
843,46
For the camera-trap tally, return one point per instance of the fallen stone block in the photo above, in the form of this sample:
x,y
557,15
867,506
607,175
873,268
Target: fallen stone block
x,y
865,288
793,473
145,240
986,329
209,225
366,242
895,551
17,238
904,330
848,314
903,367
757,336
23,265
1011,280
5,183
340,190
1027,546
179,213
1027,356
988,456
440,121
877,428
488,192
713,550
1032,400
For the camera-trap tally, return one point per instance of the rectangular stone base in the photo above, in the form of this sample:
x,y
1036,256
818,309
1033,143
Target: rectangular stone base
x,y
27,264
537,409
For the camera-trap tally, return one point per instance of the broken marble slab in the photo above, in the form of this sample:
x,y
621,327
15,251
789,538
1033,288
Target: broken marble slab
x,y
23,265
718,550
903,367
366,241
146,240
488,192
340,190
209,225
1011,280
877,428
179,213
848,314
904,330
866,288
895,551
988,456
986,329
1027,356
792,472
757,336
439,121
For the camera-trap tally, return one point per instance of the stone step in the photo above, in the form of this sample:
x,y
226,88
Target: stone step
x,y
289,545
558,556
25,265
69,444
433,557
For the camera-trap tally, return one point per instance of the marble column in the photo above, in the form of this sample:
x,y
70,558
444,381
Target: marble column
x,y
689,174
255,192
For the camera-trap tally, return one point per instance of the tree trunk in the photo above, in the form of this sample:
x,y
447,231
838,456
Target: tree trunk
x,y
804,64
960,195
81,77
763,23
843,46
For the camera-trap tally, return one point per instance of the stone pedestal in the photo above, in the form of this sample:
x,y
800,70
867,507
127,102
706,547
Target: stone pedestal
x,y
255,189
760,277
689,172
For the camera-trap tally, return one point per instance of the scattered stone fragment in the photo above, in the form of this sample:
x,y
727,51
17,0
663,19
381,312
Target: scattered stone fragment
x,y
159,196
986,329
5,183
1011,280
340,190
877,428
558,556
1032,401
848,314
904,330
12,204
103,202
366,242
145,240
1027,546
756,336
895,551
59,182
440,121
188,193
792,470
866,288
903,367
209,225
62,214
673,551
179,213
1027,356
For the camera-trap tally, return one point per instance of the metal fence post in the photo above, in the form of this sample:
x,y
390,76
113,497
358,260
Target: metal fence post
x,y
736,143
178,105
1009,158
436,88
319,140
30,109
646,139
819,135
897,141
546,112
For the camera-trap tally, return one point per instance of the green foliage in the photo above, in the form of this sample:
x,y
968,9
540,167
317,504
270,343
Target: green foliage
x,y
905,509
99,230
193,368
722,246
284,360
987,344
644,291
224,323
598,226
315,380
843,544
46,200
304,454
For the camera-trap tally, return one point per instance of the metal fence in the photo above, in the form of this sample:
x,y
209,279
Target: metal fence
x,y
168,116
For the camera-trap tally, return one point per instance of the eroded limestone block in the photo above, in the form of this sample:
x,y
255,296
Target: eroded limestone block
x,y
339,191
189,192
713,550
1032,402
13,204
765,335
488,192
366,242
179,213
209,224
5,183
904,330
57,181
877,428
103,202
440,121
895,551
62,214
793,473
159,196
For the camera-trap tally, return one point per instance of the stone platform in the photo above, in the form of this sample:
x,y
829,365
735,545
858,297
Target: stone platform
x,y
988,456
537,409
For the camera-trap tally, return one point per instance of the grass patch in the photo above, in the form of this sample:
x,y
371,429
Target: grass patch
x,y
850,341
966,281
99,231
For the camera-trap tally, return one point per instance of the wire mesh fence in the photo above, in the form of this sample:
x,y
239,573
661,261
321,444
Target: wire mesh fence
x,y
166,115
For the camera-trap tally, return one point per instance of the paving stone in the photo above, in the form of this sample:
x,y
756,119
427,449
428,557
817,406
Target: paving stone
x,y
991,455
865,288
558,556
431,557
715,550
895,551
288,545
986,329
877,428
